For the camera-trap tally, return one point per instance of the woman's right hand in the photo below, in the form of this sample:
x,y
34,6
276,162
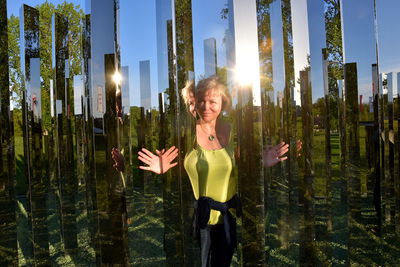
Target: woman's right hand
x,y
159,163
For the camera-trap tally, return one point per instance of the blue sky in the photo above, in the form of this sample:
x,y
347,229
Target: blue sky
x,y
207,23
139,42
139,38
138,19
388,21
359,35
359,41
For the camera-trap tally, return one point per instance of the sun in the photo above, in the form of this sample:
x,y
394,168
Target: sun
x,y
117,78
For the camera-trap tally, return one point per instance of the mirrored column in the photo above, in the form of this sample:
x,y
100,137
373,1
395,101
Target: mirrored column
x,y
362,62
7,173
248,126
67,185
30,65
105,77
388,57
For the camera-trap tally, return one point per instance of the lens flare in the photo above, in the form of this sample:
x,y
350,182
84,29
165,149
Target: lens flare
x,y
117,77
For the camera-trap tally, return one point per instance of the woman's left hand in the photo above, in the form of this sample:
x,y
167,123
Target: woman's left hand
x,y
273,154
119,160
299,146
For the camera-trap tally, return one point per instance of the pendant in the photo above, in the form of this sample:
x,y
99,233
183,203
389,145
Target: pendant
x,y
211,137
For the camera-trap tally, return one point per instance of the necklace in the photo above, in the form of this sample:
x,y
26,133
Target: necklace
x,y
211,137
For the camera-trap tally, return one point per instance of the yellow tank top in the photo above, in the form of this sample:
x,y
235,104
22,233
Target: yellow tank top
x,y
210,175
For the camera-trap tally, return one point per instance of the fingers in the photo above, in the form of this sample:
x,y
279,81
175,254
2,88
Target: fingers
x,y
170,150
283,158
146,168
283,150
145,156
118,159
173,155
147,152
115,153
144,160
278,146
299,145
174,164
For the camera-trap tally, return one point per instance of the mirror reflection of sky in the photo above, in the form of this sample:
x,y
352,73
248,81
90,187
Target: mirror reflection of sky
x,y
207,23
359,41
359,36
308,41
278,81
139,43
139,39
388,21
138,36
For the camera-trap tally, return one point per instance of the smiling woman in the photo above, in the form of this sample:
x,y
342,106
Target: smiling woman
x,y
209,165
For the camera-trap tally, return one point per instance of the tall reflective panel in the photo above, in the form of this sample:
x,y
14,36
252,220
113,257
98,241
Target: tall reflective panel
x,y
388,58
361,108
32,132
249,130
153,201
7,209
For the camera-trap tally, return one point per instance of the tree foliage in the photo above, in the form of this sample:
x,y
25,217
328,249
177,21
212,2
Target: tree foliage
x,y
265,43
334,45
46,10
14,60
334,38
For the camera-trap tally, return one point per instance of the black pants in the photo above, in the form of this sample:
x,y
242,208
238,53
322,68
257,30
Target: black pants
x,y
215,251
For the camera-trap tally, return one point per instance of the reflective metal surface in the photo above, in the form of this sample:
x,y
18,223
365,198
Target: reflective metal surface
x,y
79,78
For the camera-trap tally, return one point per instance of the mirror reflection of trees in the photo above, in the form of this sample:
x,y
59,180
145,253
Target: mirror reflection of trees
x,y
7,191
329,76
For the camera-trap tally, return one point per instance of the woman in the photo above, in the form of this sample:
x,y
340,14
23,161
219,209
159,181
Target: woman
x,y
209,165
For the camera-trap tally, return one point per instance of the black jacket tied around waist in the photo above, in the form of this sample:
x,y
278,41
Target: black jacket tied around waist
x,y
202,211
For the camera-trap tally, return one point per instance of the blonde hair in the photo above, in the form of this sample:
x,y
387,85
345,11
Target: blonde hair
x,y
210,83
188,93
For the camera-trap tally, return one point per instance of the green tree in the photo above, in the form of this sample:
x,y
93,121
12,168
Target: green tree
x,y
14,61
334,46
334,37
265,43
75,15
222,74
46,10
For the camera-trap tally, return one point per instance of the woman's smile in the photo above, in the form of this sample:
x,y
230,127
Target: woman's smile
x,y
209,105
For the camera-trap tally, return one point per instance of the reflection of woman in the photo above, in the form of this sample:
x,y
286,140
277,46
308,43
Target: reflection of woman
x,y
209,165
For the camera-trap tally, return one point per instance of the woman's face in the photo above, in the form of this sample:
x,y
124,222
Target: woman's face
x,y
208,105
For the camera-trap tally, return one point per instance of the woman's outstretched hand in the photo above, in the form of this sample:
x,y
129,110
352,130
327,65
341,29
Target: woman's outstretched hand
x,y
119,161
273,154
299,146
159,163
